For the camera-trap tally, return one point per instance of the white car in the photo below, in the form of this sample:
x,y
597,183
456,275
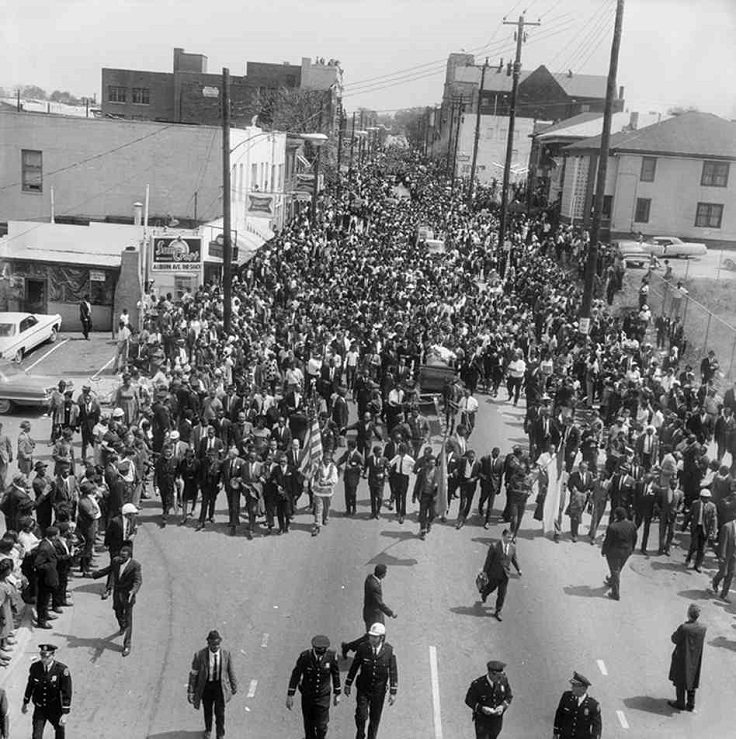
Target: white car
x,y
668,247
21,332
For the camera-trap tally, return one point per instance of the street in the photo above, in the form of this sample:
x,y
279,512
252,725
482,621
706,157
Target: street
x,y
268,598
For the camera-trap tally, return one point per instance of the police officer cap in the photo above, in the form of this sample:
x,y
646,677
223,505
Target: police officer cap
x,y
128,508
578,679
40,465
495,665
320,642
47,648
214,635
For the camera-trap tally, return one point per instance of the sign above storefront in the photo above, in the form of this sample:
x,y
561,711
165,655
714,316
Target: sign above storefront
x,y
95,276
176,255
260,206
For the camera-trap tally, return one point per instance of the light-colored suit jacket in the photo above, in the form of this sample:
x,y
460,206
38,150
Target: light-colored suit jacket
x,y
198,675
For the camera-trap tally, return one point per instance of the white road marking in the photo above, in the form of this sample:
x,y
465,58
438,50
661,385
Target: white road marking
x,y
264,641
434,675
252,688
622,719
40,359
602,666
103,368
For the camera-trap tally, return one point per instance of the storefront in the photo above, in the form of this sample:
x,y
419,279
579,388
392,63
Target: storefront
x,y
49,268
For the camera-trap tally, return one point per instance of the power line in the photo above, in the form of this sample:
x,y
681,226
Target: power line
x,y
584,27
593,38
586,31
581,64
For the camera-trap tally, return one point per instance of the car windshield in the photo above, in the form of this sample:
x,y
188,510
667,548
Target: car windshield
x,y
7,329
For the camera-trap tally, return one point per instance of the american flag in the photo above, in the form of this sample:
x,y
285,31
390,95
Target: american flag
x,y
312,452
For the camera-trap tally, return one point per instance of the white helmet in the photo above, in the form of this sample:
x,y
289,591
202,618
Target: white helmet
x,y
377,630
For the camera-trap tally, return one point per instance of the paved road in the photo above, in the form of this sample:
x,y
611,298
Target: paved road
x,y
269,596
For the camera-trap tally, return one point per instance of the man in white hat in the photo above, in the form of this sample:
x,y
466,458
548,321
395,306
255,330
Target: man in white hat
x,y
376,662
703,527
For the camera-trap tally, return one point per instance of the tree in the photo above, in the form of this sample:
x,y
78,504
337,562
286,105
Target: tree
x,y
33,91
295,110
411,122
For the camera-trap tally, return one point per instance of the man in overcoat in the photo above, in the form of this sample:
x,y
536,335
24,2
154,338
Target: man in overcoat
x,y
618,544
687,659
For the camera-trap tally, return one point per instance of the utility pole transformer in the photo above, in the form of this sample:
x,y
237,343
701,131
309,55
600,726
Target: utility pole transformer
x,y
520,24
227,250
591,266
471,186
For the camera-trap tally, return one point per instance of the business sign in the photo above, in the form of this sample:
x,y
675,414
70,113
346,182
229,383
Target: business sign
x,y
210,92
259,205
176,255
95,276
216,249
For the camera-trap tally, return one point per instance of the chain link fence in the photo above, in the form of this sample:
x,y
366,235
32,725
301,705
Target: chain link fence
x,y
701,329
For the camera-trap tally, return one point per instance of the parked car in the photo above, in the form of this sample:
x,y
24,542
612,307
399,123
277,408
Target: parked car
x,y
17,387
669,247
21,332
632,253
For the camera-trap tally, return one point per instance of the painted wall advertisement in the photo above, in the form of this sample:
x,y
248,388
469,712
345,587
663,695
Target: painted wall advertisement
x,y
176,254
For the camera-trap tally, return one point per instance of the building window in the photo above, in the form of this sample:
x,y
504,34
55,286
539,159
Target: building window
x,y
141,96
648,169
643,206
607,206
116,94
31,171
715,174
709,215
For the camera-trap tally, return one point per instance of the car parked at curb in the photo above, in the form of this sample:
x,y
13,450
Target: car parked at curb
x,y
21,332
665,247
19,388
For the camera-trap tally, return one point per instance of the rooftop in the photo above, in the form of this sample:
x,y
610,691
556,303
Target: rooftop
x,y
688,134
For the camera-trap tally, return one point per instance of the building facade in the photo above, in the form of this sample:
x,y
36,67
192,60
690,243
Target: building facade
x,y
191,94
80,169
492,145
672,178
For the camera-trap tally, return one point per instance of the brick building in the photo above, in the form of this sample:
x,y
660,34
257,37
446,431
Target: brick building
x,y
191,94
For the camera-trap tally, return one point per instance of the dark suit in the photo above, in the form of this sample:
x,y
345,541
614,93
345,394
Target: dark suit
x,y
231,471
212,691
570,440
377,468
312,674
45,564
340,412
491,474
378,672
282,435
373,606
353,461
125,586
575,720
498,569
467,477
618,544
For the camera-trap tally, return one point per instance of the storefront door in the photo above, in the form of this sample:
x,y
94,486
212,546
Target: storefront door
x,y
36,295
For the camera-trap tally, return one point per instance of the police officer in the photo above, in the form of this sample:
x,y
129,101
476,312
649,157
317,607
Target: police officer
x,y
376,661
578,715
50,687
489,696
312,673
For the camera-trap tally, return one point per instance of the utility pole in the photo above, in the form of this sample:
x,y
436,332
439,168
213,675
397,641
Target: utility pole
x,y
352,141
471,186
449,137
520,35
460,109
591,266
227,251
340,133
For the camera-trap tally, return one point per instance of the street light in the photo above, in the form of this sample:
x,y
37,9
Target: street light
x,y
317,140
